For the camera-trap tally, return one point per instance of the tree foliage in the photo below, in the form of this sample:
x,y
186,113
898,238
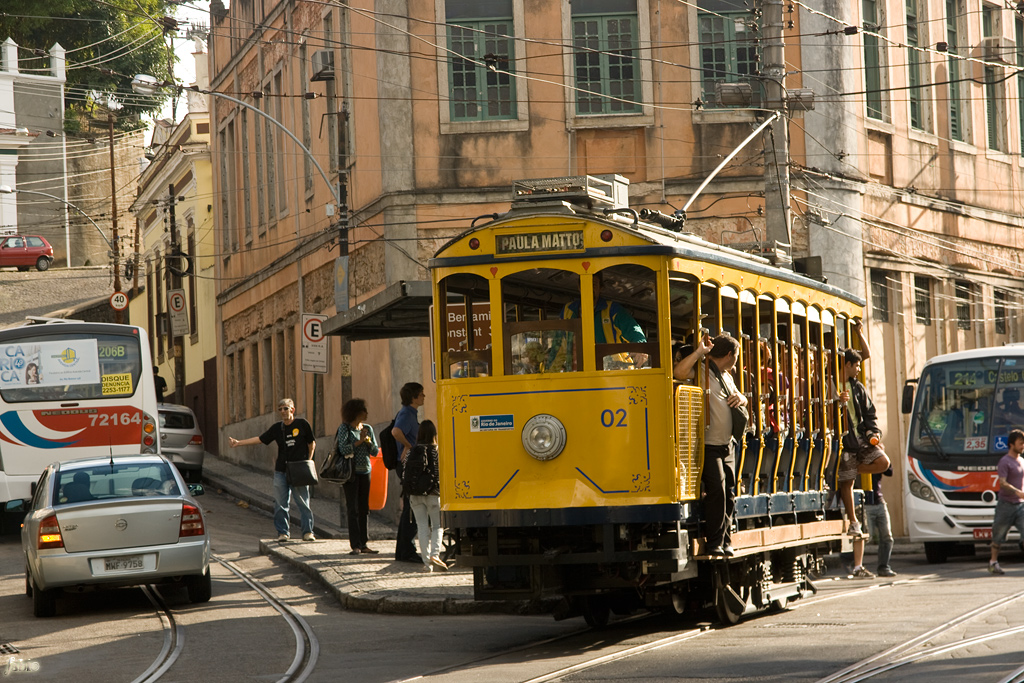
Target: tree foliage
x,y
107,43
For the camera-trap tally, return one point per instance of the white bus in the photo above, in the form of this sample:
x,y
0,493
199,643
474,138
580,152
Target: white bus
x,y
71,390
966,404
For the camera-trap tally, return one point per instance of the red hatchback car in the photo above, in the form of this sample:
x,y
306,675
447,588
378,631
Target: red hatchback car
x,y
25,251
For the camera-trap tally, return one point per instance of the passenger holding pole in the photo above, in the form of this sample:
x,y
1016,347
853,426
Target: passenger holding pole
x,y
868,457
719,472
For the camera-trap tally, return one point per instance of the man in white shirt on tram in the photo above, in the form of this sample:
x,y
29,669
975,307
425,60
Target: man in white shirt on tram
x,y
719,473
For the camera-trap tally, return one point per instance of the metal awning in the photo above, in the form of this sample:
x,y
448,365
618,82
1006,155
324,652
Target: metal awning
x,y
401,310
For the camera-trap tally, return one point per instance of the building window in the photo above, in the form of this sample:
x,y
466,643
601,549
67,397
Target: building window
x,y
605,43
923,300
880,295
268,375
193,295
1019,31
728,46
241,373
915,77
963,305
480,60
269,162
279,99
307,136
1000,299
229,382
995,119
874,61
254,372
957,124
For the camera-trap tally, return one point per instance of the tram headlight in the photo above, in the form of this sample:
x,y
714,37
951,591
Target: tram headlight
x,y
921,490
544,436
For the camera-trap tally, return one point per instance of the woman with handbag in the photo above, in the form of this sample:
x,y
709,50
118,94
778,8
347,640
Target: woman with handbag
x,y
421,484
295,443
356,438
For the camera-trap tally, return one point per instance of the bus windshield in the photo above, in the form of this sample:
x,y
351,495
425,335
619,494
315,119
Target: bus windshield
x,y
966,409
74,367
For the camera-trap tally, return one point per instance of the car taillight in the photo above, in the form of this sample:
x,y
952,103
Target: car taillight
x,y
148,433
49,534
196,440
191,521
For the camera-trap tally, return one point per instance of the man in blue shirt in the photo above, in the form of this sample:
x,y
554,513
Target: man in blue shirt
x,y
407,424
612,325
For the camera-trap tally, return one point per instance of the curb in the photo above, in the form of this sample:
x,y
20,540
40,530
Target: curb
x,y
368,601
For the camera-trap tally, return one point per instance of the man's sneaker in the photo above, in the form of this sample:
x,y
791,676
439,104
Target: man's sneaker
x,y
862,573
283,537
994,568
886,571
308,536
854,531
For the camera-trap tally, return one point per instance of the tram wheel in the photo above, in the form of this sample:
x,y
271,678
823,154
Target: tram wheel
x,y
780,605
596,611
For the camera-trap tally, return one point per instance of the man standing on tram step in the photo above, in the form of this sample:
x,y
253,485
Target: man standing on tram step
x,y
719,474
861,418
407,425
1010,501
295,441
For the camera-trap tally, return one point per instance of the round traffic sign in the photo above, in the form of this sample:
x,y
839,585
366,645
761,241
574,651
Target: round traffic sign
x,y
313,329
177,302
119,301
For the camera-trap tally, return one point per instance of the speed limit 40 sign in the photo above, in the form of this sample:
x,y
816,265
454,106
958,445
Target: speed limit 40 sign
x,y
119,301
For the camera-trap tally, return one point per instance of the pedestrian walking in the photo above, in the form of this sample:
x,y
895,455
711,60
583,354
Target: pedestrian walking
x,y
356,437
294,438
422,486
407,426
1010,499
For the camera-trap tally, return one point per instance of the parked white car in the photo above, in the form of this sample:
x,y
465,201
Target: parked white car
x,y
181,441
115,521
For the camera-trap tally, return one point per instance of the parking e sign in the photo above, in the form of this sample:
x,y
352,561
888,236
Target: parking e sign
x,y
315,347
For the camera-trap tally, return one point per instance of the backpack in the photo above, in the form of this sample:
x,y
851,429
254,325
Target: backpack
x,y
419,480
388,447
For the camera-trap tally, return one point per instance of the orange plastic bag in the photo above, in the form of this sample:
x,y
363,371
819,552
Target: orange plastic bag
x,y
378,483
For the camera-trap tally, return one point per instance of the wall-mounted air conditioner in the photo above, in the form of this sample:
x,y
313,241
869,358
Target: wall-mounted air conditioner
x,y
998,49
323,66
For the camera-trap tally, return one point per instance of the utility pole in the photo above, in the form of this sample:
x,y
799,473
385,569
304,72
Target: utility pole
x,y
118,318
776,161
176,342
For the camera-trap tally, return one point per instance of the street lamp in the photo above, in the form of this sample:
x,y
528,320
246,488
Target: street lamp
x,y
145,84
7,189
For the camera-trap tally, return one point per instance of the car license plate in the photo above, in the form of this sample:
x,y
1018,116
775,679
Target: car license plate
x,y
983,534
123,564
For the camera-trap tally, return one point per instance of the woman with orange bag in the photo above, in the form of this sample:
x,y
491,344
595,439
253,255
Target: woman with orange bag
x,y
356,437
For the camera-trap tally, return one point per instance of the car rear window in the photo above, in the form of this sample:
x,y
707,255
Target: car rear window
x,y
109,482
35,242
176,420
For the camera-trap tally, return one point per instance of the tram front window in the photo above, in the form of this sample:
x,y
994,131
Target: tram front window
x,y
466,321
537,339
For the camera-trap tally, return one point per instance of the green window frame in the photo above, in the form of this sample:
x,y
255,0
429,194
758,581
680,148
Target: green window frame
x,y
914,79
476,91
729,51
1019,30
956,122
872,61
607,68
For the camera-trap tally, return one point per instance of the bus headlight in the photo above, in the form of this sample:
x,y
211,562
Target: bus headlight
x,y
544,436
921,490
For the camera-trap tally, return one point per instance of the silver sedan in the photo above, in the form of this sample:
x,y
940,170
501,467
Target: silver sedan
x,y
114,521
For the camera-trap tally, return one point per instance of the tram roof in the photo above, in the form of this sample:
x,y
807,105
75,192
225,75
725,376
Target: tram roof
x,y
401,310
660,242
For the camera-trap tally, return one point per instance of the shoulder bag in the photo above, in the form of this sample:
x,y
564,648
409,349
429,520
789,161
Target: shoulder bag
x,y
301,473
740,416
338,469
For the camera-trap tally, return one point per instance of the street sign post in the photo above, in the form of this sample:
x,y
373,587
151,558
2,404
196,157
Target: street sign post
x,y
179,317
315,347
119,301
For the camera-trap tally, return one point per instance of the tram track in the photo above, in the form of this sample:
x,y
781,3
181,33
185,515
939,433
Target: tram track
x,y
307,647
904,654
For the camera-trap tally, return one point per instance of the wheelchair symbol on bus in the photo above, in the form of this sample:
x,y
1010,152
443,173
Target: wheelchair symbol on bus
x,y
1002,443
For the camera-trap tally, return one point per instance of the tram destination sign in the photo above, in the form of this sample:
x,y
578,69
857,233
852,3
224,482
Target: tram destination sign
x,y
530,242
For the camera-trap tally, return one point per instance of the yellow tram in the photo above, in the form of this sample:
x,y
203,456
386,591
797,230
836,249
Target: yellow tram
x,y
570,457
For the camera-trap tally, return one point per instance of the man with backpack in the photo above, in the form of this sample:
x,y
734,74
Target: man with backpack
x,y
407,425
